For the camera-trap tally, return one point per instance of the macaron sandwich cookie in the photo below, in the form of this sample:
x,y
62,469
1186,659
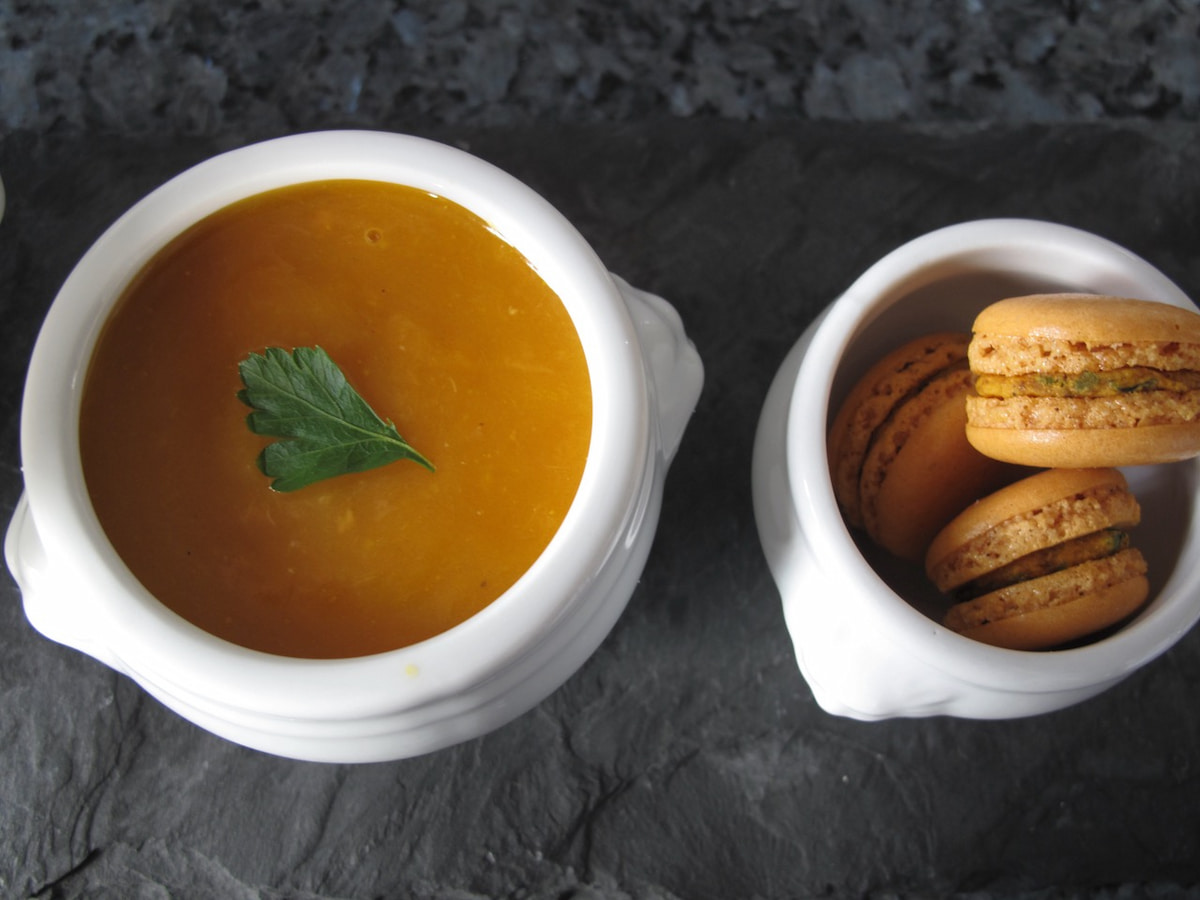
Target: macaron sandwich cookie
x,y
1043,561
900,463
1085,380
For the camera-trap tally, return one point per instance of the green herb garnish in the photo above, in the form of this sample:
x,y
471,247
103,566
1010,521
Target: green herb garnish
x,y
329,429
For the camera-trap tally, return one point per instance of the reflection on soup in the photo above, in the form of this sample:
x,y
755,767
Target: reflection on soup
x,y
441,326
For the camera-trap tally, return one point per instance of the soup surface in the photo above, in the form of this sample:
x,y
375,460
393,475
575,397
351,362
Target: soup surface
x,y
440,325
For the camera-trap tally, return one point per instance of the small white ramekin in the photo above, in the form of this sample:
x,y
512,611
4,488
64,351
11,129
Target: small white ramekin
x,y
863,639
646,378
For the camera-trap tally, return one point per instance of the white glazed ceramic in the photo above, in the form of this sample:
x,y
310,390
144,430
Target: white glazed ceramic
x,y
646,378
862,641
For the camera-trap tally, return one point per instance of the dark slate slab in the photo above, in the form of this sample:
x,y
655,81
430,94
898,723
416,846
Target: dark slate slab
x,y
687,759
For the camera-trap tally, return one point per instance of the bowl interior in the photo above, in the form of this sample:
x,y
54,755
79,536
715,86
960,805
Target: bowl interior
x,y
162,644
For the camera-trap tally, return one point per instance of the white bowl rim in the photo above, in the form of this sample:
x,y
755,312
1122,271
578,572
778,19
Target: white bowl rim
x,y
821,521
158,644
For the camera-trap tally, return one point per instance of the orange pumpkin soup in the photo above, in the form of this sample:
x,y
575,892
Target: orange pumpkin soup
x,y
441,326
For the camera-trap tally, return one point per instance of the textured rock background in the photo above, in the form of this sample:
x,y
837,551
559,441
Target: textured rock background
x,y
198,68
746,161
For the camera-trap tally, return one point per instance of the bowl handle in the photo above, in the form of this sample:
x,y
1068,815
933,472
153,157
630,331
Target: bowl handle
x,y
851,668
52,599
675,370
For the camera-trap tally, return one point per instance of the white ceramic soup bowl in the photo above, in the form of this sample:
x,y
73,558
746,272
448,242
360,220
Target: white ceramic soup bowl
x,y
646,378
862,640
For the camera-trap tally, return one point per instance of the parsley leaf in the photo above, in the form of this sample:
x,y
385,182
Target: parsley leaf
x,y
329,429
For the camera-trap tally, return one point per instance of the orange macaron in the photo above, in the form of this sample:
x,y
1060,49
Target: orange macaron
x,y
1082,380
900,463
1042,562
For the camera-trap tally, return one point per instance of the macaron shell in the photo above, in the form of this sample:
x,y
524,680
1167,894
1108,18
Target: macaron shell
x,y
1089,318
1087,447
930,475
873,399
1053,626
1137,409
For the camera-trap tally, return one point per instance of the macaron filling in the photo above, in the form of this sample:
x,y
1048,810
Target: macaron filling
x,y
1096,545
1116,383
1126,397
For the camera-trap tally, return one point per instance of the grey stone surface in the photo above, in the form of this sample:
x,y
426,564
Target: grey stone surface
x,y
199,68
687,759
